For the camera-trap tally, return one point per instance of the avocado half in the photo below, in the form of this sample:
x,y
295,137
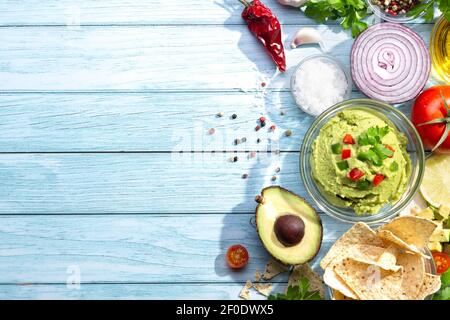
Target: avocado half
x,y
289,228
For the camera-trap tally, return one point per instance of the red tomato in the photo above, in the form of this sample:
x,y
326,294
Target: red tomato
x,y
355,174
346,153
378,179
237,256
348,139
442,261
430,106
390,148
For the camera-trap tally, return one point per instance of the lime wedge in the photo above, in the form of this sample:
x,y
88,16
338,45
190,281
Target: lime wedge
x,y
435,186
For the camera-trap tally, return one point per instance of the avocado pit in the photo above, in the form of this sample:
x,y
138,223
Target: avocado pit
x,y
289,229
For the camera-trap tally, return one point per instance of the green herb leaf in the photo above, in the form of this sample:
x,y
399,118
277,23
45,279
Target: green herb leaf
x,y
342,165
336,148
394,166
299,292
382,151
350,11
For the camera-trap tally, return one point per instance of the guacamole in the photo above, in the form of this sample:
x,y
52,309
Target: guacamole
x,y
359,160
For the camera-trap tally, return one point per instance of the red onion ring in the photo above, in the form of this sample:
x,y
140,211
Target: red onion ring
x,y
390,62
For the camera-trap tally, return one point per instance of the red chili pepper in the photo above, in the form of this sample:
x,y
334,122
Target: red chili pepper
x,y
348,139
346,153
378,179
355,174
266,27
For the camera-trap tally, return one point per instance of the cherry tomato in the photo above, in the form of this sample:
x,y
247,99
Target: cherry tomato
x,y
348,139
390,148
442,261
378,179
355,174
237,256
430,106
346,153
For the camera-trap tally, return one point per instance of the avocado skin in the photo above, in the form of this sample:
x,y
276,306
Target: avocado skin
x,y
306,203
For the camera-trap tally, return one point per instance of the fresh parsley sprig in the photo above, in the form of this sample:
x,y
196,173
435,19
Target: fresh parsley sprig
x,y
351,11
300,292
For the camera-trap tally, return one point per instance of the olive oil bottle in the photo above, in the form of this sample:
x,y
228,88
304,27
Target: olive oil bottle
x,y
440,49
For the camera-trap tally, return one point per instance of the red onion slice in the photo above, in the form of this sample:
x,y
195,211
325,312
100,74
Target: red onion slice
x,y
390,62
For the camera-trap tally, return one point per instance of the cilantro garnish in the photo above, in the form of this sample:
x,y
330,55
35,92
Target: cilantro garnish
x,y
372,136
300,292
444,292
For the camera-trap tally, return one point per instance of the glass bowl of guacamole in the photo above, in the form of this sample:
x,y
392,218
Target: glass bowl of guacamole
x,y
362,160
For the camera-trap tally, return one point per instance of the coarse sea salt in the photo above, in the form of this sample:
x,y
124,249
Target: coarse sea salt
x,y
318,84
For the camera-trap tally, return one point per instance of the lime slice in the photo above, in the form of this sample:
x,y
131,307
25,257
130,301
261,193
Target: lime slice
x,y
435,186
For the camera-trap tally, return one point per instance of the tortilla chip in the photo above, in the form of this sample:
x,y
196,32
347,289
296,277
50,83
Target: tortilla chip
x,y
339,296
389,256
304,271
245,292
413,273
393,239
370,282
258,275
430,285
263,288
274,268
359,234
337,284
413,230
370,255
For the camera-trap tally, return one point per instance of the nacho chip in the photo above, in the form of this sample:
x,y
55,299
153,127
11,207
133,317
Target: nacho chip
x,y
370,282
415,231
389,256
337,284
360,234
274,268
370,255
305,271
393,239
413,273
245,292
430,285
339,296
258,275
263,288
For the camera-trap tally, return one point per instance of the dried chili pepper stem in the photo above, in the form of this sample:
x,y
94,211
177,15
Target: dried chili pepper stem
x,y
245,3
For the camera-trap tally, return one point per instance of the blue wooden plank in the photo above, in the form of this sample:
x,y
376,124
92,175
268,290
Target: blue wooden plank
x,y
120,12
139,58
148,122
133,248
140,183
219,291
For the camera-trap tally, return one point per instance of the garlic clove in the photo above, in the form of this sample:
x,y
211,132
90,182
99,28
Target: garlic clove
x,y
306,36
293,3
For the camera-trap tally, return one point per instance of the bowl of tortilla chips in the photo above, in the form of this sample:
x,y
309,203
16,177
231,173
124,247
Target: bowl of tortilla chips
x,y
391,262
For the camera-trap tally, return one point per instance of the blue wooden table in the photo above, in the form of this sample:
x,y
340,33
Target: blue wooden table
x,y
97,100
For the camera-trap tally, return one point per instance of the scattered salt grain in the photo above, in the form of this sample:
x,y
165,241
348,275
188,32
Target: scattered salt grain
x,y
319,84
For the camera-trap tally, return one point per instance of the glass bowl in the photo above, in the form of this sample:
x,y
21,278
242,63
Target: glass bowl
x,y
402,18
430,267
329,59
414,148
